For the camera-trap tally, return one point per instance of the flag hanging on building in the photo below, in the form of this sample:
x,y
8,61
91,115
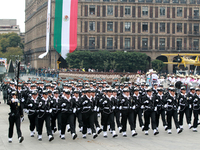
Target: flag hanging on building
x,y
65,27
47,30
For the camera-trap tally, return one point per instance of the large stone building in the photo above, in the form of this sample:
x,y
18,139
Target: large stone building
x,y
9,26
150,26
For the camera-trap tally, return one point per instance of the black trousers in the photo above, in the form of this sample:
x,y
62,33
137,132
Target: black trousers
x,y
160,112
78,115
67,118
170,114
88,119
96,122
127,115
149,114
108,119
41,120
14,120
117,118
55,116
188,114
138,112
196,118
33,119
186,111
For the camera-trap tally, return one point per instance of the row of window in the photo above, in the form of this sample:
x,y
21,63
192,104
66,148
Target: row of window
x,y
145,27
150,1
144,43
142,11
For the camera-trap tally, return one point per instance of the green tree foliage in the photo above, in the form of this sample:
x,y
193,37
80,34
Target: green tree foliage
x,y
105,60
157,65
11,53
10,40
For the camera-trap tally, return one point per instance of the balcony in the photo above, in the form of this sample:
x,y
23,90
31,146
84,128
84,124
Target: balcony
x,y
193,18
193,33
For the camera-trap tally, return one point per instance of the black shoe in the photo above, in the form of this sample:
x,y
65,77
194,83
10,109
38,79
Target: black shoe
x,y
55,129
68,130
63,138
180,131
120,131
166,128
125,135
191,127
21,139
94,136
115,135
51,139
105,136
134,134
100,130
75,136
156,133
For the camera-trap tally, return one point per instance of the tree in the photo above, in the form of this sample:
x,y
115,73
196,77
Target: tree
x,y
14,40
113,64
105,64
4,44
157,65
12,53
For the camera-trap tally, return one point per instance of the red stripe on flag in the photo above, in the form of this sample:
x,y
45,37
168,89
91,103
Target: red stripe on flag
x,y
73,25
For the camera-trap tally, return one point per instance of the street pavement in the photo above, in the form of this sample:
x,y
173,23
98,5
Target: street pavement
x,y
184,141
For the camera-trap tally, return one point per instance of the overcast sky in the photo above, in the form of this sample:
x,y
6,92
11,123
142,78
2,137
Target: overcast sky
x,y
13,9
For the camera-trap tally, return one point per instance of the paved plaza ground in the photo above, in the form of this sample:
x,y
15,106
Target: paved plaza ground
x,y
186,140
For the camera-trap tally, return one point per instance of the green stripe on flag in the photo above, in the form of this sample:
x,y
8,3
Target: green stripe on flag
x,y
58,25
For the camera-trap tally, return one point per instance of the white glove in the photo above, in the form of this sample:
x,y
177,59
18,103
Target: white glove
x,y
165,106
120,108
123,100
113,107
95,108
169,100
23,99
98,109
179,108
105,102
74,110
30,105
40,104
22,119
146,101
133,107
16,100
142,107
63,105
50,110
155,109
85,102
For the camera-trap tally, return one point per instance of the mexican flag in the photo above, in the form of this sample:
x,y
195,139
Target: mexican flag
x,y
65,26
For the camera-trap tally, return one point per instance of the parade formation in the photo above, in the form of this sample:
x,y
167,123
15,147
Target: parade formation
x,y
99,107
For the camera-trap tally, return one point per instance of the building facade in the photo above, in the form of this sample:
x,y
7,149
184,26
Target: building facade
x,y
150,26
9,26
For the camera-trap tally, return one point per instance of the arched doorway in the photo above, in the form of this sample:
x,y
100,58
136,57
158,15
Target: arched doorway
x,y
164,59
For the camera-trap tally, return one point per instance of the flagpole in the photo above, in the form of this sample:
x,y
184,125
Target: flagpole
x,y
50,38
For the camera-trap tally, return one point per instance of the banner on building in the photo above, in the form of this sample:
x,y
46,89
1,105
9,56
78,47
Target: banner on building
x,y
65,27
47,30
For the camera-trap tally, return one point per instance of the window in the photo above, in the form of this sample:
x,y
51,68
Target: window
x,y
145,11
179,11
179,27
109,43
109,26
144,43
162,11
131,0
127,10
198,1
141,1
145,27
162,44
149,1
123,0
192,1
106,0
165,1
179,44
91,43
96,0
158,1
196,44
92,10
183,1
114,0
127,26
175,1
196,13
162,27
92,26
109,10
196,28
127,43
